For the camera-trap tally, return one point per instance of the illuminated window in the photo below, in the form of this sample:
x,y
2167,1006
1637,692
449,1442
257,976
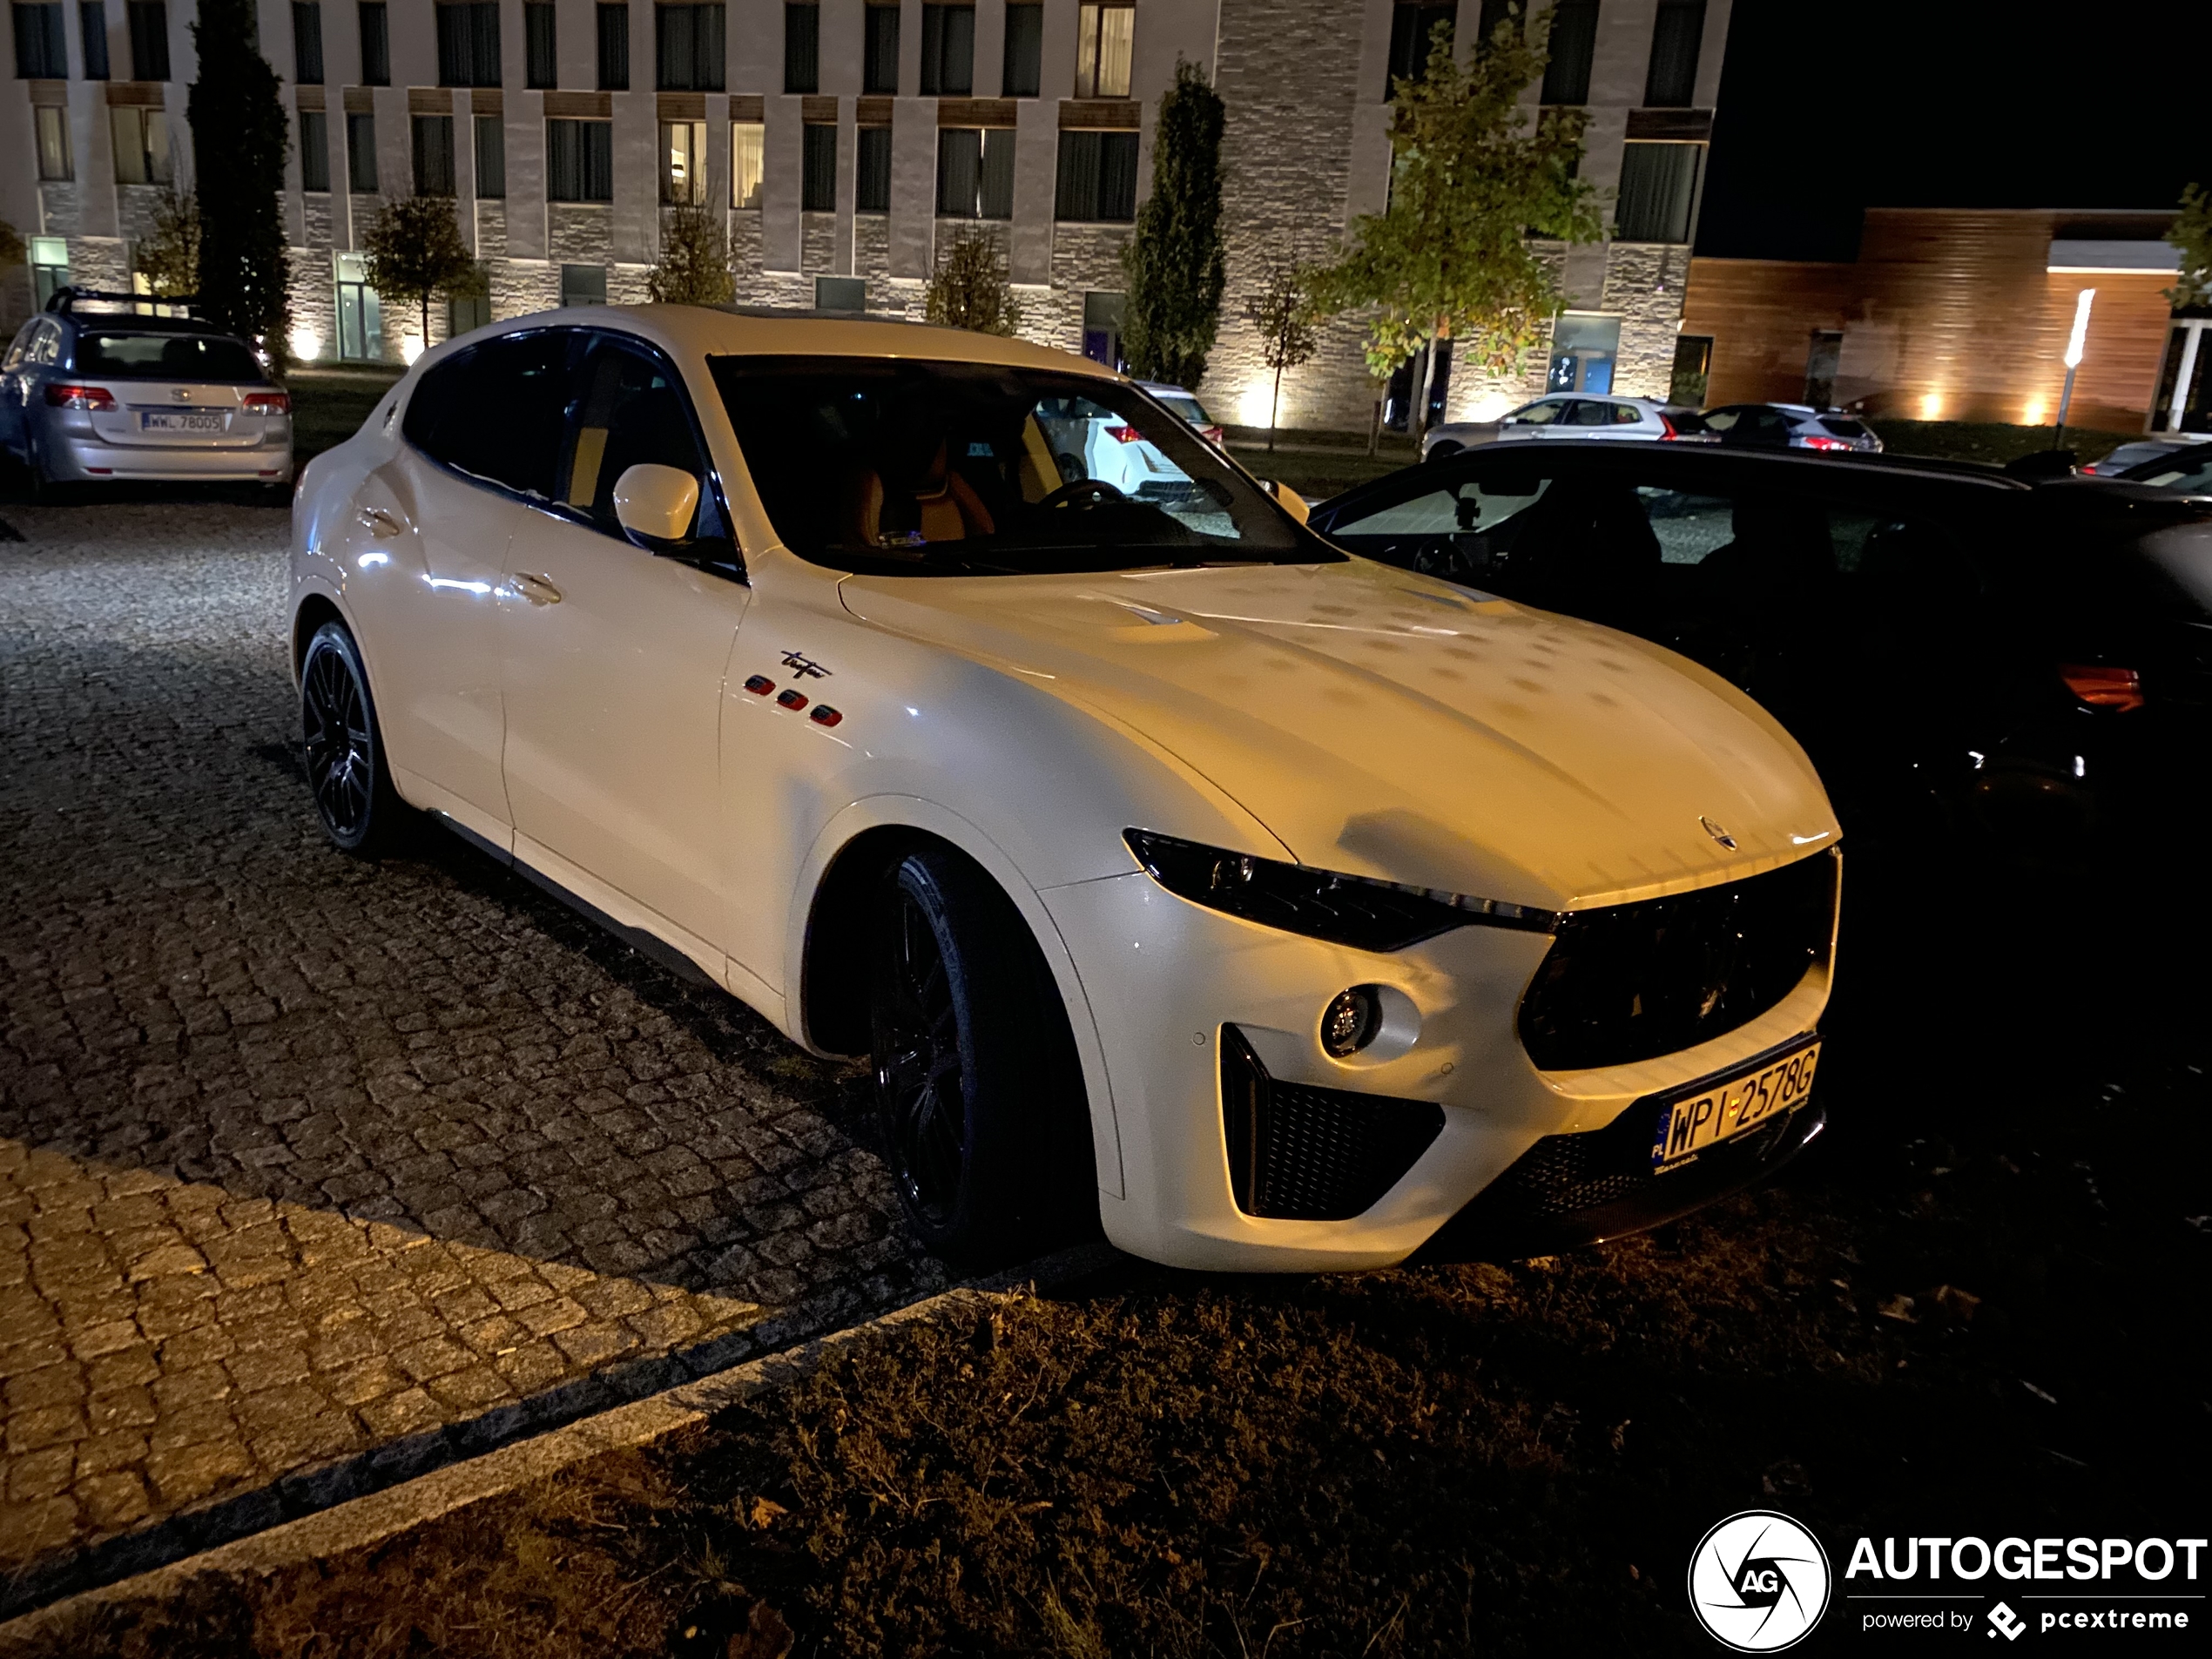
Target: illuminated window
x,y
746,152
53,142
1105,36
683,147
141,147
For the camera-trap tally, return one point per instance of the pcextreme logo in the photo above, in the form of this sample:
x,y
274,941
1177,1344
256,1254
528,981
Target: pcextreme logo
x,y
1758,1581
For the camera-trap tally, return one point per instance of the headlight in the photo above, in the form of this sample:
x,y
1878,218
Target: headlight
x,y
1320,904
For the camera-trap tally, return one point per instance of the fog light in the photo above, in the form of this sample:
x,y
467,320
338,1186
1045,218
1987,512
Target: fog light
x,y
1350,1021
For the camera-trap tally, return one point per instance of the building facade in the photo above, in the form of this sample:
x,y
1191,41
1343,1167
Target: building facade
x,y
842,142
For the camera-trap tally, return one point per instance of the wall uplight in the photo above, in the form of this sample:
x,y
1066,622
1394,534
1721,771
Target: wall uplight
x,y
1931,407
2032,414
307,344
411,347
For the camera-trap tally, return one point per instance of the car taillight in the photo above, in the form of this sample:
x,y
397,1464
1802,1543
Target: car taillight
x,y
1212,434
1666,429
1124,434
266,402
63,396
2101,687
1814,441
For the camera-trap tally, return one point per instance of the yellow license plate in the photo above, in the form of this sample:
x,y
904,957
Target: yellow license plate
x,y
1744,1101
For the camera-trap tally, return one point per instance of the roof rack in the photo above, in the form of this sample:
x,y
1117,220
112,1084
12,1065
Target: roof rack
x,y
73,298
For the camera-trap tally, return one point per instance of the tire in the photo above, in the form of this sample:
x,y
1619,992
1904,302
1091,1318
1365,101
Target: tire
x,y
345,747
978,1089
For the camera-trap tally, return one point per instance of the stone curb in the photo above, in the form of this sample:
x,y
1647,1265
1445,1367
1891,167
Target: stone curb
x,y
385,1514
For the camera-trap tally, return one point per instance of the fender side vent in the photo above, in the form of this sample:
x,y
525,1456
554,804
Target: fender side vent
x,y
1302,1154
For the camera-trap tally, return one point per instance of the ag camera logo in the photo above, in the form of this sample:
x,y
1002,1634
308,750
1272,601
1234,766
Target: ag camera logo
x,y
1759,1582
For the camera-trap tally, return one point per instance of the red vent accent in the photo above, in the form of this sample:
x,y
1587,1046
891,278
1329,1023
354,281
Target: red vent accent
x,y
824,715
761,685
791,699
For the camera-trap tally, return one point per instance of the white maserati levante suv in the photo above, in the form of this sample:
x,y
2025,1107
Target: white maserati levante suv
x,y
1283,910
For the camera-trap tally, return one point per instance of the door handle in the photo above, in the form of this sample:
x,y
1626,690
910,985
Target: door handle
x,y
379,523
536,588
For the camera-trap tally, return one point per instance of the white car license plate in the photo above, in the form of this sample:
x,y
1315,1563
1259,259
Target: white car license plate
x,y
180,420
1744,1101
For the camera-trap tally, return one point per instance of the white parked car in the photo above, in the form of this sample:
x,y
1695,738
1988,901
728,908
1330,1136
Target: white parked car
x,y
1570,415
1107,446
1275,906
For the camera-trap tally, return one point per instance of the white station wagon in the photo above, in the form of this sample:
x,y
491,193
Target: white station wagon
x,y
1278,908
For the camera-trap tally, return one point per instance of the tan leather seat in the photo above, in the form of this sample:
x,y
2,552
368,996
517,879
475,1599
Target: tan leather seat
x,y
941,506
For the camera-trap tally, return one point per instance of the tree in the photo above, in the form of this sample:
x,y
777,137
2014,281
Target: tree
x,y
1284,316
1172,265
1473,178
694,268
11,248
2192,234
414,253
169,259
240,139
969,290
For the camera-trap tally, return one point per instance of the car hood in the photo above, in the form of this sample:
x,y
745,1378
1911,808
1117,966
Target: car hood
x,y
1387,725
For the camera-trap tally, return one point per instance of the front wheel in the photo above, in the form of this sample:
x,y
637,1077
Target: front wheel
x,y
345,750
977,1086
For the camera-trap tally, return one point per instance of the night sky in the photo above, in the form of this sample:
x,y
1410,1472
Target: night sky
x,y
1827,108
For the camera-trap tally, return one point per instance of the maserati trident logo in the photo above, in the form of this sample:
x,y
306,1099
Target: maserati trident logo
x,y
805,667
1759,1582
1718,834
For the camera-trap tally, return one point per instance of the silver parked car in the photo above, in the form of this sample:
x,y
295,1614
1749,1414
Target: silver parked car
x,y
1792,426
98,388
2121,461
1570,415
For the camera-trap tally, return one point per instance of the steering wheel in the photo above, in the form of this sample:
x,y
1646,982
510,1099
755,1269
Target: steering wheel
x,y
1083,494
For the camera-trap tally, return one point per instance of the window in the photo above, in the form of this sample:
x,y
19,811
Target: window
x,y
688,49
872,174
361,154
1658,192
491,157
1097,177
841,294
91,23
580,160
541,59
632,413
42,49
1512,14
1103,312
1823,356
495,412
802,48
583,285
948,51
307,42
149,20
1584,346
1411,30
1693,370
818,174
683,147
314,150
376,44
746,152
433,155
975,172
614,49
49,267
1024,70
468,43
1104,35
1574,45
1672,83
150,357
141,147
1452,530
53,142
464,315
879,48
360,314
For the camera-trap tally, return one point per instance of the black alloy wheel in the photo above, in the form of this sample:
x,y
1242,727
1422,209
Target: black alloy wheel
x,y
918,1076
344,751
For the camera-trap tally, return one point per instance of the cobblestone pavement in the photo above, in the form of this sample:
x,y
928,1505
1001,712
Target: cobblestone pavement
x,y
314,1171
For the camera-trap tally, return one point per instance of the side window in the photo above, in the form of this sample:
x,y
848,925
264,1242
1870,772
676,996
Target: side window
x,y
632,411
495,412
1583,412
1626,415
17,347
1688,526
1535,415
1723,420
49,347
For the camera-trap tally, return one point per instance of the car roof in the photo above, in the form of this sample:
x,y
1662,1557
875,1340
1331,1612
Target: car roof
x,y
132,322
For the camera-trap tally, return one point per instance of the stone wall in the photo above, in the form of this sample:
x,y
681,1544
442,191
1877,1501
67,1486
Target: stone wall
x,y
1644,283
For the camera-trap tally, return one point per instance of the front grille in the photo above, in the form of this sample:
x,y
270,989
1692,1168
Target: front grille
x,y
1627,982
1302,1154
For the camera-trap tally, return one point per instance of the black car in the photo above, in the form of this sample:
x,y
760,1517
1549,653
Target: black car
x,y
1955,647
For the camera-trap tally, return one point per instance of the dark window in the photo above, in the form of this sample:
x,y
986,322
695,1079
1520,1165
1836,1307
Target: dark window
x,y
42,49
802,48
880,49
433,155
306,42
541,60
1672,83
580,161
1513,13
1411,28
149,22
491,156
51,134
496,411
872,176
975,172
91,22
1693,369
469,44
376,44
948,51
361,154
583,285
1658,192
614,49
841,294
314,150
467,314
688,48
1574,43
818,174
1097,177
1024,49
632,413
161,357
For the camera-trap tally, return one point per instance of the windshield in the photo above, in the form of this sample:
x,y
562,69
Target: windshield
x,y
1188,409
1535,415
166,357
908,468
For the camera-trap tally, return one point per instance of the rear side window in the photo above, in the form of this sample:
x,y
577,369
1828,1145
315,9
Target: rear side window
x,y
496,411
1626,415
1589,414
1842,427
118,356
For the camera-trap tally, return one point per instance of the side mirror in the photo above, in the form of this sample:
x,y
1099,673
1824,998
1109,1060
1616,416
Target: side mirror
x,y
1288,499
655,504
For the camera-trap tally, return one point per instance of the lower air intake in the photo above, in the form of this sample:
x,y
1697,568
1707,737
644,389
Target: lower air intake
x,y
1302,1154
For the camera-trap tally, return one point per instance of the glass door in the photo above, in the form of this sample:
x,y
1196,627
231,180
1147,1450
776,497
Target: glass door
x,y
361,317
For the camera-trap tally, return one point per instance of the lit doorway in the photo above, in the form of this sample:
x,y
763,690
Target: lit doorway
x,y
361,317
